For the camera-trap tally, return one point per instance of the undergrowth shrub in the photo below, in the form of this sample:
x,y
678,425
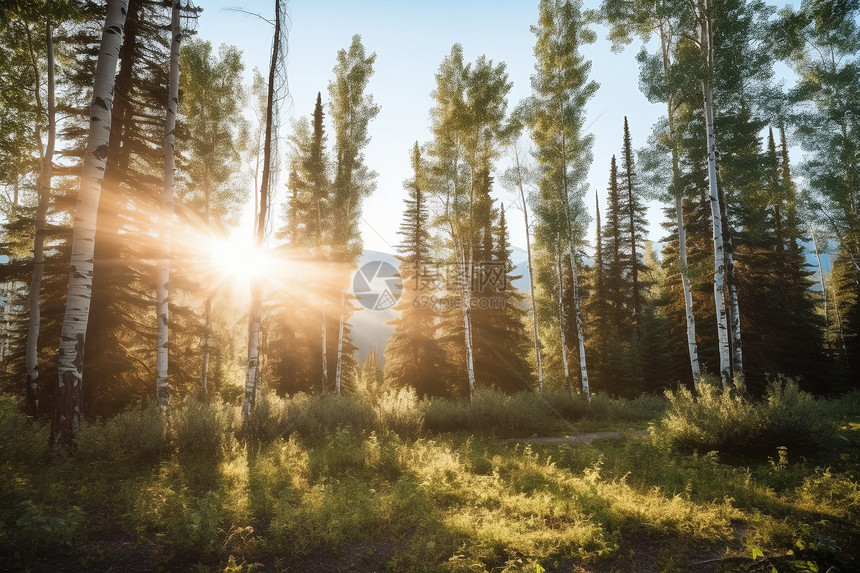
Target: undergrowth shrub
x,y
22,439
399,412
135,434
720,420
202,430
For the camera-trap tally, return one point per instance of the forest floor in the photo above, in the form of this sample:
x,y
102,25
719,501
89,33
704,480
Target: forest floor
x,y
595,496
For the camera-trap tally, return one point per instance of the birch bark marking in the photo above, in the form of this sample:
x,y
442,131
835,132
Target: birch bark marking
x,y
66,421
706,40
256,310
43,186
162,292
519,173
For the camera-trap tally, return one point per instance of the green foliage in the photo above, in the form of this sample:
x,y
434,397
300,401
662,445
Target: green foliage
x,y
23,440
202,430
137,434
41,528
720,420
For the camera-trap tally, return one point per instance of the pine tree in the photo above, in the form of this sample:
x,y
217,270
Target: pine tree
x,y
633,210
413,356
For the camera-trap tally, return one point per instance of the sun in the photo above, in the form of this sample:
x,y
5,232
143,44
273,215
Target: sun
x,y
237,259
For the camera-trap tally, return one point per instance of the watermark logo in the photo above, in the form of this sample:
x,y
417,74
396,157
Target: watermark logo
x,y
376,285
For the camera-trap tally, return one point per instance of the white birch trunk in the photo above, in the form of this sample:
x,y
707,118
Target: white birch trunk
x,y
821,279
324,352
207,345
250,399
253,378
43,185
735,314
707,46
163,276
339,369
583,370
531,273
692,347
68,397
561,325
466,290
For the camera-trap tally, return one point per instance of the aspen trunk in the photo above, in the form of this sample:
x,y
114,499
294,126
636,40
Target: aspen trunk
x,y
531,274
821,279
324,352
207,345
734,313
66,421
707,46
252,380
43,186
250,399
692,347
162,292
466,289
561,325
339,369
565,202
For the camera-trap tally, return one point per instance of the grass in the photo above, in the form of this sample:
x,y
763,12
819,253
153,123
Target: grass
x,y
401,484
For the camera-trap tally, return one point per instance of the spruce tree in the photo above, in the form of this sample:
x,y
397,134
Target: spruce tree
x,y
413,356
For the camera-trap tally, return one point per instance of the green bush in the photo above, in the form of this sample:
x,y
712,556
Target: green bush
x,y
23,440
135,434
720,420
399,412
202,430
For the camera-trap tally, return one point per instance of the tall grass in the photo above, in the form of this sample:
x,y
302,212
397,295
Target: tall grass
x,y
720,420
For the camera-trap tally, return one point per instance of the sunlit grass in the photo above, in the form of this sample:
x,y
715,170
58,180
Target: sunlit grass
x,y
201,493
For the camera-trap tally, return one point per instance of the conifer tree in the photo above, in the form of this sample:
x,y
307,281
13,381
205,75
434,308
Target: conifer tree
x,y
634,214
413,356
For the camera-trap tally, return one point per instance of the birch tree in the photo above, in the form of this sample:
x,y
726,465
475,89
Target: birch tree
x,y
351,110
468,130
277,80
66,420
515,179
162,292
557,111
43,190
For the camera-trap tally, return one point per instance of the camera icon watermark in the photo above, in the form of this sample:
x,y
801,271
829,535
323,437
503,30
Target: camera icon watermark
x,y
377,285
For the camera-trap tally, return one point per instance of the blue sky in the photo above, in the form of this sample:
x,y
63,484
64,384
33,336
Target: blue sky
x,y
410,40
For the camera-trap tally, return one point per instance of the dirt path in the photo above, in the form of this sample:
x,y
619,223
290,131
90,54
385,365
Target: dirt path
x,y
585,438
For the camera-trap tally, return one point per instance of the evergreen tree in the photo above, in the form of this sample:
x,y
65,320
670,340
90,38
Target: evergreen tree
x,y
633,210
413,356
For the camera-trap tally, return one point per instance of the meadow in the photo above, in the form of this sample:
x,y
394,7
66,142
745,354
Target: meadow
x,y
395,483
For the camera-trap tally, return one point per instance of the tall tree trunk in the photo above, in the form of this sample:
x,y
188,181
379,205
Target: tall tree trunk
x,y
518,167
583,368
734,308
690,318
821,280
339,369
66,421
207,345
43,186
162,292
562,323
707,45
325,381
256,310
692,347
